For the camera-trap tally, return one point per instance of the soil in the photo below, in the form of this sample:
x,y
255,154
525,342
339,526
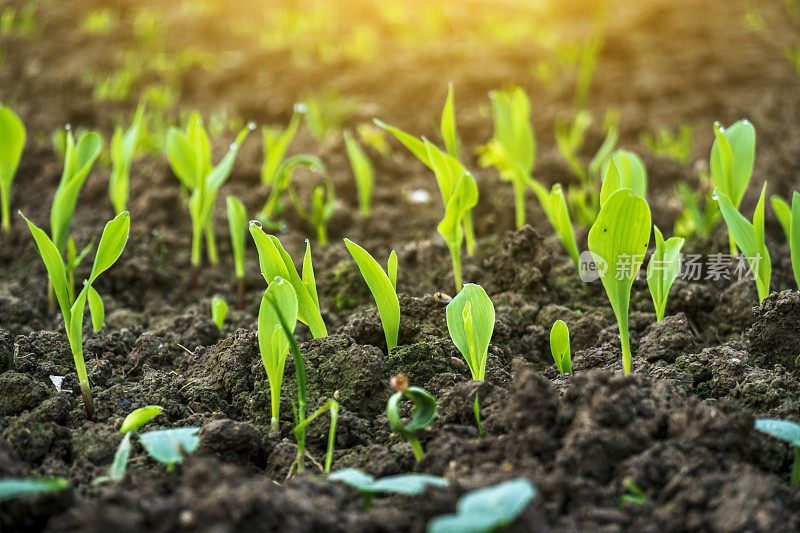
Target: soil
x,y
680,427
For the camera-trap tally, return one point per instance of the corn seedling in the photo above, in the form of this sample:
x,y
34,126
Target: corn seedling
x,y
559,346
485,510
326,113
445,181
618,241
112,242
662,270
667,144
789,217
368,486
570,138
783,212
700,212
276,142
275,262
268,215
470,321
383,286
273,344
129,427
189,155
555,208
422,415
363,172
323,206
749,238
237,224
11,488
219,310
170,446
732,158
786,431
633,494
12,131
624,171
123,149
373,136
512,150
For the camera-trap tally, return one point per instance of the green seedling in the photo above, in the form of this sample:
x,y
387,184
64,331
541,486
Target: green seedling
x,y
618,241
512,150
283,301
667,144
555,208
11,488
421,416
787,431
112,242
732,158
700,212
219,310
624,171
559,346
170,446
237,224
470,321
485,510
444,178
273,344
789,218
634,494
663,269
123,149
274,262
570,138
783,212
368,486
373,136
326,113
129,427
275,144
749,238
383,286
323,206
363,172
189,155
12,131
268,215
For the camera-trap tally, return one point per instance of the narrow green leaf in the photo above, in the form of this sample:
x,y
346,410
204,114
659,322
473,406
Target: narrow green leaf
x,y
794,237
391,269
96,309
120,463
558,213
112,243
624,171
139,417
448,124
783,213
559,346
237,222
732,158
363,172
219,310
54,265
662,270
414,145
11,488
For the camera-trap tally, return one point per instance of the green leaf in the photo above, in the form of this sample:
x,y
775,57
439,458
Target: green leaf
x,y
558,213
237,222
749,238
219,310
464,198
422,415
624,171
276,262
783,213
12,131
448,124
11,488
309,281
382,289
112,243
513,133
732,158
391,269
784,430
447,169
170,446
363,172
275,145
662,270
485,510
139,417
794,237
618,241
472,310
559,346
120,463
181,157
96,308
123,149
353,477
408,484
414,145
54,265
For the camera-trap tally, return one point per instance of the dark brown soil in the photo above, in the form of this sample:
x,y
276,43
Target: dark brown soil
x,y
680,427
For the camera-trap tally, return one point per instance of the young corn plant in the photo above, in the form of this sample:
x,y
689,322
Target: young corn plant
x,y
786,431
749,238
555,208
368,486
275,262
732,158
112,243
237,224
624,171
363,172
700,212
783,212
559,346
268,216
789,217
383,286
421,416
170,446
663,269
189,155
129,427
12,131
323,206
667,144
470,321
570,138
123,149
219,310
486,510
618,242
